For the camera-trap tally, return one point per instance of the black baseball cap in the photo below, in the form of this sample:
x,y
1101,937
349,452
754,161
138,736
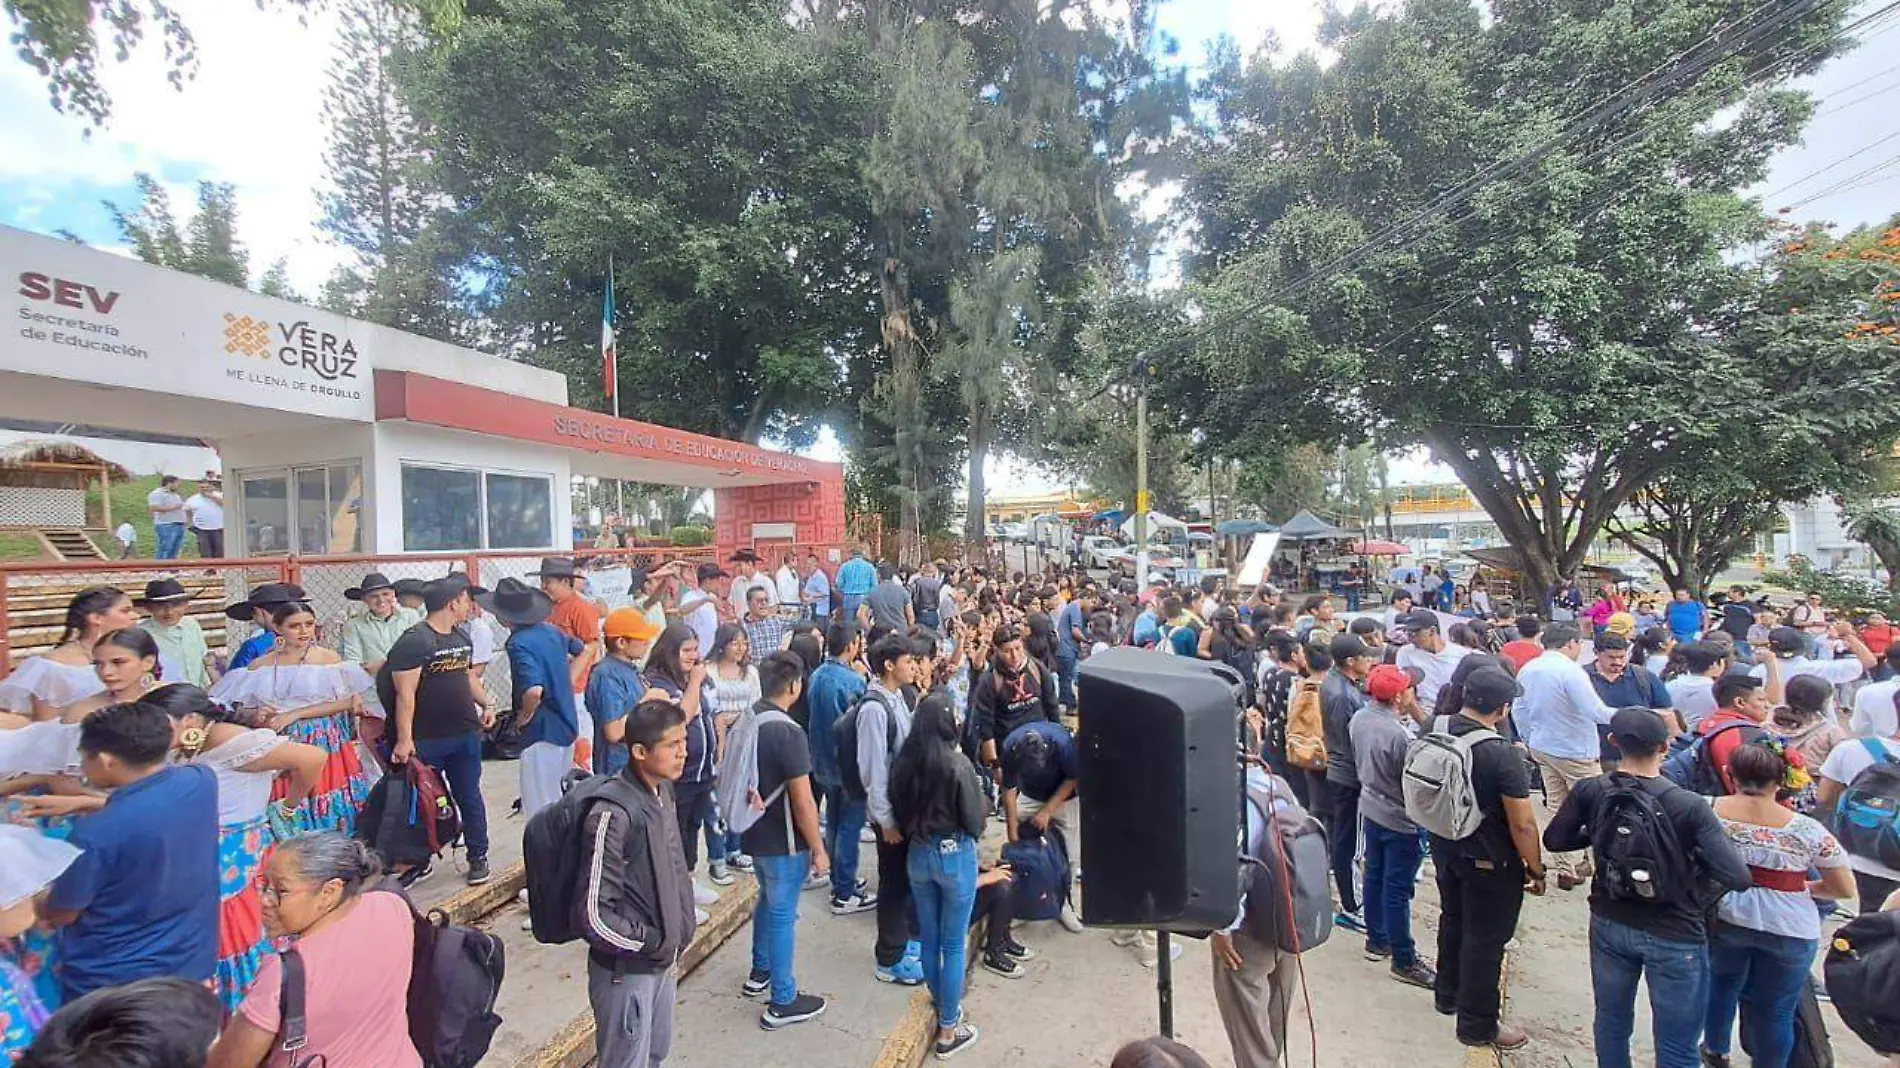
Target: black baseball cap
x,y
1346,645
1366,625
1489,689
1413,622
1788,641
1639,728
708,572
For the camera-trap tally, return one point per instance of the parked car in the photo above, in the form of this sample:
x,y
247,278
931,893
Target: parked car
x,y
1098,550
1016,532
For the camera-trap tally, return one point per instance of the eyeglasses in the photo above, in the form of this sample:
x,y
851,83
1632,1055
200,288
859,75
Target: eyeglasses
x,y
272,895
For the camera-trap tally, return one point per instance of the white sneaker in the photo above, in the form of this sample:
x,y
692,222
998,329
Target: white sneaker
x,y
701,916
815,881
1069,920
522,896
866,835
527,923
703,894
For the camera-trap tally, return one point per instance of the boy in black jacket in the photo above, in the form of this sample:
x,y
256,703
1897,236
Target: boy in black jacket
x,y
636,900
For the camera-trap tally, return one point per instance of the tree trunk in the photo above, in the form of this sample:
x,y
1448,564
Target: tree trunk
x,y
973,532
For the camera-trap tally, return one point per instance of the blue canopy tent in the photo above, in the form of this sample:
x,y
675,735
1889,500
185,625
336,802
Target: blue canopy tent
x,y
1243,528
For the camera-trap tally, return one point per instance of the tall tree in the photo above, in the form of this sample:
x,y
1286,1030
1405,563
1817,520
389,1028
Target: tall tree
x,y
276,282
709,149
207,246
384,204
1554,334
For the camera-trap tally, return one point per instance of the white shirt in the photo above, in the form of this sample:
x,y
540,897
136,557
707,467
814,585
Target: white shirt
x,y
1435,667
1560,710
166,506
697,612
1837,672
126,534
1846,761
787,591
1874,715
206,514
1693,696
741,589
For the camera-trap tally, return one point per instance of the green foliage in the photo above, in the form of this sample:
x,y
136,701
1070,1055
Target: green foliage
x,y
276,282
1841,593
1559,338
208,246
1878,526
691,537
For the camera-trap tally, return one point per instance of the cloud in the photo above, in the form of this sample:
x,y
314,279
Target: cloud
x,y
252,117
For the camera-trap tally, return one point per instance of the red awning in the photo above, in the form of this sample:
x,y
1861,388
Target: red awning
x,y
1380,548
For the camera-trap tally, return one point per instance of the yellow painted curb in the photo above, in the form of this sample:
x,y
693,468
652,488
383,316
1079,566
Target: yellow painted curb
x,y
1491,1056
573,1045
909,1043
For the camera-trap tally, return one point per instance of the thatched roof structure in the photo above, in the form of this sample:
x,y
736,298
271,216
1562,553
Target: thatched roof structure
x,y
20,463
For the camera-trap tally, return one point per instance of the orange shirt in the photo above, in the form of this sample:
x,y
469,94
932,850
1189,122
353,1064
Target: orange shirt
x,y
579,617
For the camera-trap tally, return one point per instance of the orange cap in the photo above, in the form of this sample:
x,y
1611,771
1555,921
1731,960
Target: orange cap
x,y
630,623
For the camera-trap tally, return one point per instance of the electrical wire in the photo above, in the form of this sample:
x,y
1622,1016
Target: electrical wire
x,y
1841,186
1856,154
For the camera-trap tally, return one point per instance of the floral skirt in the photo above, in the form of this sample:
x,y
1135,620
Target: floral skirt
x,y
345,782
242,848
33,954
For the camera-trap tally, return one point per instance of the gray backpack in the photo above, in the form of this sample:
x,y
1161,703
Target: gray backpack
x,y
1286,876
1437,782
739,771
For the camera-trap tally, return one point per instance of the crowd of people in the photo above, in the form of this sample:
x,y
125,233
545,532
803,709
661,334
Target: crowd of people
x,y
177,815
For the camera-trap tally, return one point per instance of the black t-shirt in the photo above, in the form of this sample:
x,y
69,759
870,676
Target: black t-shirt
x,y
1737,617
445,706
784,755
1498,771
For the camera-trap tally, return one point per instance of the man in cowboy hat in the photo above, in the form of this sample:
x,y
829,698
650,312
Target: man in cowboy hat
x,y
179,637
256,609
579,618
539,656
368,637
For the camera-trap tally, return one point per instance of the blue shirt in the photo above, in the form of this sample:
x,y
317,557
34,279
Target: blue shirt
x,y
255,646
1147,630
1040,782
1686,618
834,689
537,656
146,885
857,577
612,691
1068,621
818,587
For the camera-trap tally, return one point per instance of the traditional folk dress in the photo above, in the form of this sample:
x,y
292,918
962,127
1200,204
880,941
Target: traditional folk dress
x,y
348,774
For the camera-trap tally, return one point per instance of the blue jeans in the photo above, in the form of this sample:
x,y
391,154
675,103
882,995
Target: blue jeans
x,y
1065,677
844,818
848,606
1767,972
459,759
1353,595
171,540
1678,977
1392,859
943,887
775,920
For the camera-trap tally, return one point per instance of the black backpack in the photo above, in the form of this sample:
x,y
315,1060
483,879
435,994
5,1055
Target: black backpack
x,y
1638,856
551,847
847,729
454,980
409,817
1863,978
1691,760
1812,1047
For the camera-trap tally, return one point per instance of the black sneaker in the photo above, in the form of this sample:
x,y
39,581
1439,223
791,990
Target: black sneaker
x,y
1018,951
1418,973
416,874
756,983
1003,966
1378,952
478,872
798,1010
960,1039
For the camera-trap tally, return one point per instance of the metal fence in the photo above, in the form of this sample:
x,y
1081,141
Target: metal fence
x,y
33,597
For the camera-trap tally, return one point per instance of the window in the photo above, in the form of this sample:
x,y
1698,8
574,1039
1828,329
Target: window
x,y
519,512
448,508
441,509
313,511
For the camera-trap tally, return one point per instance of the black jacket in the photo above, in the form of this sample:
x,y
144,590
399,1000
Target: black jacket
x,y
1339,698
636,899
995,715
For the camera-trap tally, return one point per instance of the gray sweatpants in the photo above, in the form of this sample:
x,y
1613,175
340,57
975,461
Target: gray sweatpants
x,y
633,1016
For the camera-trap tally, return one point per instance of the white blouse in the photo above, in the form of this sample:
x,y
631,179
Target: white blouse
x,y
291,687
242,795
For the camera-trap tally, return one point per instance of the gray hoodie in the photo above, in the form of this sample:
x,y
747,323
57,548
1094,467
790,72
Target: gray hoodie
x,y
874,760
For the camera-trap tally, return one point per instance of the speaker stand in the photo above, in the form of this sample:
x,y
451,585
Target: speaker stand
x,y
1164,981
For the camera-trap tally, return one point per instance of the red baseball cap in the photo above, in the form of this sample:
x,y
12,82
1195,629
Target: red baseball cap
x,y
1387,681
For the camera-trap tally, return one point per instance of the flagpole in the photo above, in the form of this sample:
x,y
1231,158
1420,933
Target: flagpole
x,y
613,390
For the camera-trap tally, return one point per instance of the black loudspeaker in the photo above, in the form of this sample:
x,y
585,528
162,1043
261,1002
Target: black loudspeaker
x,y
1160,790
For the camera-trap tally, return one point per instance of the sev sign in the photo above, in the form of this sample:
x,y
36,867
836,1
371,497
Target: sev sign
x,y
90,316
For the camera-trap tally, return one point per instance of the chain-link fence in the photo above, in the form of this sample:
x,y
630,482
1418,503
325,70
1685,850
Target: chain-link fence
x,y
33,599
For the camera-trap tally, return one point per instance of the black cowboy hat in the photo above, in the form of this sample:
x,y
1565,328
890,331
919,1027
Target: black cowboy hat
x,y
270,593
372,582
516,603
408,587
556,567
163,591
461,578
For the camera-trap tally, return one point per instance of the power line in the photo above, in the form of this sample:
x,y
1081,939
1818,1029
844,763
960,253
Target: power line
x,y
1857,153
1842,185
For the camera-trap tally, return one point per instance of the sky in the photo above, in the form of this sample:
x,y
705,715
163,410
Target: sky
x,y
253,117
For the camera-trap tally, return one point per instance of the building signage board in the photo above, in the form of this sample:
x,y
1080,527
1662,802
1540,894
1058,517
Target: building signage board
x,y
82,314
